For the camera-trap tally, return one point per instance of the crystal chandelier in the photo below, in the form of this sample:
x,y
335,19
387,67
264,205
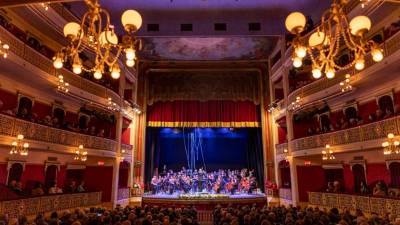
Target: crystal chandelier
x,y
391,146
327,154
4,49
18,147
62,85
97,34
323,46
80,154
345,85
112,105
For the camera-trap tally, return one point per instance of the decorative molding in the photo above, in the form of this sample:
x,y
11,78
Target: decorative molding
x,y
52,163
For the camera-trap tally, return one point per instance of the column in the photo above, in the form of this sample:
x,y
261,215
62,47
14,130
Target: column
x,y
293,162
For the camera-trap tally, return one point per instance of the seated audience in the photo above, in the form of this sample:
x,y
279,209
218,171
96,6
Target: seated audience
x,y
379,189
71,188
364,188
54,189
37,190
81,187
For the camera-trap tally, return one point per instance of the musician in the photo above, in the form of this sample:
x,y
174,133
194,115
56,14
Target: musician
x,y
155,184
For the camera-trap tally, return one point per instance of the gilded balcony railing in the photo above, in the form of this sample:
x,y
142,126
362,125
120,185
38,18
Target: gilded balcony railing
x,y
11,126
127,149
50,203
390,46
285,193
35,58
280,148
365,132
123,193
352,202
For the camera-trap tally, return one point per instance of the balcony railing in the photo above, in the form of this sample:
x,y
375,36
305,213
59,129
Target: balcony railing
x,y
280,148
390,46
365,132
353,202
35,205
123,193
285,193
11,126
35,58
127,149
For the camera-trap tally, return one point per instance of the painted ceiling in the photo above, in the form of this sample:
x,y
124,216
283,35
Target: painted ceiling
x,y
207,48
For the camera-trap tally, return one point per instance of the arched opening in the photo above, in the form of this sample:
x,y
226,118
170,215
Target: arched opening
x,y
325,122
50,176
59,113
386,104
284,169
350,113
25,108
359,177
394,169
83,122
15,173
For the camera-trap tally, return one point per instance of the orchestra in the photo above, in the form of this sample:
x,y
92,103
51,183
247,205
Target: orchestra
x,y
217,182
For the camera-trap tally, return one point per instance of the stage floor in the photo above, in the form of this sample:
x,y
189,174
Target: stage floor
x,y
203,202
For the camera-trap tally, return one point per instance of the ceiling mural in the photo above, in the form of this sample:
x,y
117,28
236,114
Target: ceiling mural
x,y
207,48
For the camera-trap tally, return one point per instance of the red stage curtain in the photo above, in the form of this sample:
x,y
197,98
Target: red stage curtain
x,y
203,114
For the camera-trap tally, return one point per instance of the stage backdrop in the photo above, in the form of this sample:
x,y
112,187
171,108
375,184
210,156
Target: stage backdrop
x,y
223,148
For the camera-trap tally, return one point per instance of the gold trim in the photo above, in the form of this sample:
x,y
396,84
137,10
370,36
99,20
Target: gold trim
x,y
202,124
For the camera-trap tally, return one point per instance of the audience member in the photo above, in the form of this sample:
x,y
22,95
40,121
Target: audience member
x,y
54,189
38,190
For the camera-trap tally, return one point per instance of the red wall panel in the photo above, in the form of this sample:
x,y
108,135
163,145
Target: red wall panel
x,y
310,178
365,109
61,176
376,172
32,173
99,178
3,173
348,179
126,136
9,100
282,135
41,109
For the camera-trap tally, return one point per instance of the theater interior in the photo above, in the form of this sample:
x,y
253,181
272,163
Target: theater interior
x,y
224,112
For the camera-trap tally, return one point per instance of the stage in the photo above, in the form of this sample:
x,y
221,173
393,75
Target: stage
x,y
203,201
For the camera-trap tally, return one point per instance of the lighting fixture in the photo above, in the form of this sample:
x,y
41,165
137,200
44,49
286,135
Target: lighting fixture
x,y
97,33
391,146
18,147
112,105
4,49
327,154
45,5
62,85
296,104
345,85
80,154
323,46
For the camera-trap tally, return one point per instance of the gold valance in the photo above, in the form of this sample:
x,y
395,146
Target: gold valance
x,y
203,86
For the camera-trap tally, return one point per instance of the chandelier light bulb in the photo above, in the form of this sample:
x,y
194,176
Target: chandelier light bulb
x,y
360,25
330,73
295,22
317,38
297,62
26,145
72,30
390,135
20,137
14,143
131,20
301,51
377,54
77,69
111,38
130,63
58,62
130,54
97,74
115,72
360,64
316,73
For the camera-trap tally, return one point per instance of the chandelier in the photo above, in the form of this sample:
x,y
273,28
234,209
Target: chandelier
x,y
112,105
80,154
97,34
345,85
391,146
62,85
324,45
18,147
4,49
327,154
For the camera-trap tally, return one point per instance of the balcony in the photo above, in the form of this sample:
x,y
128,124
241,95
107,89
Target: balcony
x,y
35,205
280,148
10,126
364,133
38,60
366,204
